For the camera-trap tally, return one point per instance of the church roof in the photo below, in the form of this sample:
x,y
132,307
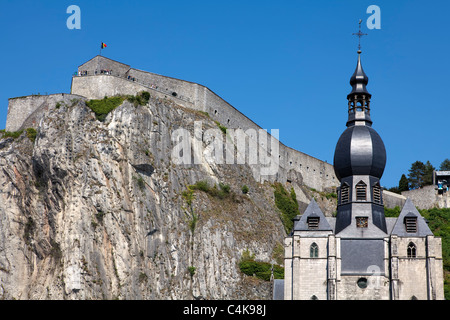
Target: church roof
x,y
312,211
359,151
409,210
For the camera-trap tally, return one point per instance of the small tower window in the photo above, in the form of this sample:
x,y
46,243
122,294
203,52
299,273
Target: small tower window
x,y
411,224
411,251
313,223
351,107
359,106
361,191
367,106
345,190
377,193
314,250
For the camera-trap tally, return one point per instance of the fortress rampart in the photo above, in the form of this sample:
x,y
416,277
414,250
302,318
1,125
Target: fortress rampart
x,y
100,77
25,112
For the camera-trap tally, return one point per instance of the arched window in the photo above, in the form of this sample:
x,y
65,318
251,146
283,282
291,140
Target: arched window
x,y
314,250
361,191
314,297
351,107
411,250
367,106
359,106
413,298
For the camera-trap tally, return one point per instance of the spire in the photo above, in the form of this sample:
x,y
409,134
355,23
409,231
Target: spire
x,y
359,97
359,79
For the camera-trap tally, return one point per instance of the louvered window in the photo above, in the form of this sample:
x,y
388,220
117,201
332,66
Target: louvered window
x,y
361,191
345,194
376,194
313,223
411,224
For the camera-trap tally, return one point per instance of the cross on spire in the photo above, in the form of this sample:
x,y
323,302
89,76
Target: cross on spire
x,y
359,34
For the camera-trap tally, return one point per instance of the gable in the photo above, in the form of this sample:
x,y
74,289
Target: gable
x,y
409,211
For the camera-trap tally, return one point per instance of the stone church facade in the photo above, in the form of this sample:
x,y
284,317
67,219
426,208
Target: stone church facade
x,y
360,254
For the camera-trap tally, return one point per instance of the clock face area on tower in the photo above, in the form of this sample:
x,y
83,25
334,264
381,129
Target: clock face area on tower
x,y
362,222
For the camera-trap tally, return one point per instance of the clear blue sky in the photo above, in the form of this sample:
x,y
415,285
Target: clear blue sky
x,y
285,64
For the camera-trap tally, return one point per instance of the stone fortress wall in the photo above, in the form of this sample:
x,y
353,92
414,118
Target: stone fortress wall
x,y
428,197
26,112
100,77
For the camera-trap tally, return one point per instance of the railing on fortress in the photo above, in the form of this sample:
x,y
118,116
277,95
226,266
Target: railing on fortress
x,y
151,86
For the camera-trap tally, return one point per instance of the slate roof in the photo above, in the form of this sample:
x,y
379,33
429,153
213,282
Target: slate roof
x,y
312,210
410,210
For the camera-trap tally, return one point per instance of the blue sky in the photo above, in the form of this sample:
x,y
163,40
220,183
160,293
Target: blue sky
x,y
285,64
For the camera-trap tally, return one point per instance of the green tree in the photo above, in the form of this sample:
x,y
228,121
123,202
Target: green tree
x,y
445,165
416,175
403,184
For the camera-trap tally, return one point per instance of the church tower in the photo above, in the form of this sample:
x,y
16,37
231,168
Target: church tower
x,y
360,254
360,228
359,161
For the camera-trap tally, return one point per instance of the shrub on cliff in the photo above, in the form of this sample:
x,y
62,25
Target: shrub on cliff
x,y
287,203
260,270
141,99
104,106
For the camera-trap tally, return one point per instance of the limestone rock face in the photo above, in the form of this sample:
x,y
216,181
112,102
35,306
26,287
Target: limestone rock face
x,y
95,210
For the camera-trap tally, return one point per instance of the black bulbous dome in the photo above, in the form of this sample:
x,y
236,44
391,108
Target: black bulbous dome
x,y
359,151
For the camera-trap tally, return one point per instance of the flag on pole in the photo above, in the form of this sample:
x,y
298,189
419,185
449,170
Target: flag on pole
x,y
103,45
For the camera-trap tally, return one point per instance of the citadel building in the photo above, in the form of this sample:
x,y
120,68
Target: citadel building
x,y
360,254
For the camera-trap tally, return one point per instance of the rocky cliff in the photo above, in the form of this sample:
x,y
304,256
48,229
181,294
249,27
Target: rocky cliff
x,y
95,209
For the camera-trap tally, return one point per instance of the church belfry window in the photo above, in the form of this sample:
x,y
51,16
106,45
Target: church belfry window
x,y
359,105
376,193
411,250
361,191
314,250
345,190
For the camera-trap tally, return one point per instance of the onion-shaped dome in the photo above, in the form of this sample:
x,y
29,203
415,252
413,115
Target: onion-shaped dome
x,y
359,151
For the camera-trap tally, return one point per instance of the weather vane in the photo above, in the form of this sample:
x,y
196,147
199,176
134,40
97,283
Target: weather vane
x,y
359,34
